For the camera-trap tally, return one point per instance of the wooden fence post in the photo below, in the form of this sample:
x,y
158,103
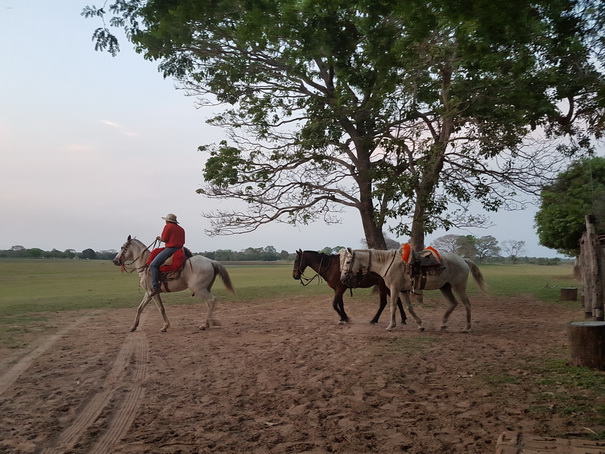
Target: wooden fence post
x,y
586,275
594,270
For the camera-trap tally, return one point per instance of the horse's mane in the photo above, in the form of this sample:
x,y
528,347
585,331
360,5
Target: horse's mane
x,y
379,256
138,242
320,253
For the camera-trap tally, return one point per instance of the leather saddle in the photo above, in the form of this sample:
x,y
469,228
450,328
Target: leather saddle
x,y
421,264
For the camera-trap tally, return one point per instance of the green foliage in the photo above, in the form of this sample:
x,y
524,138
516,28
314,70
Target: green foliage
x,y
391,108
564,204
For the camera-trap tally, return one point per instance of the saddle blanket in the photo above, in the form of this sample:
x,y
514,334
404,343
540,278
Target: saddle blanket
x,y
174,263
426,257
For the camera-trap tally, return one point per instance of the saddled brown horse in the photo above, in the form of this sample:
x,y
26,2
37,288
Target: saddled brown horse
x,y
328,267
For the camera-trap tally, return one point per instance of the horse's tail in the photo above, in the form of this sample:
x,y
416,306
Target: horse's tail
x,y
477,275
222,272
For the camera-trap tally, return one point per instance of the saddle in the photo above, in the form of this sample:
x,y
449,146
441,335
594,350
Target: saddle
x,y
171,269
421,264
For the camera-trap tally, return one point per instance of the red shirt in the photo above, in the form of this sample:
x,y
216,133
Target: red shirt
x,y
174,235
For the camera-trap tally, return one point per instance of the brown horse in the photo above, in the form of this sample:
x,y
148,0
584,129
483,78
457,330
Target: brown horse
x,y
328,267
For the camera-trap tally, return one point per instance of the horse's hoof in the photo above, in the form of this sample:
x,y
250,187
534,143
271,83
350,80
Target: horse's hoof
x,y
163,330
465,330
421,328
443,327
204,327
389,328
342,322
133,329
373,322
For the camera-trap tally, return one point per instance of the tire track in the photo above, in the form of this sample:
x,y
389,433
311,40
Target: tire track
x,y
12,374
127,411
134,345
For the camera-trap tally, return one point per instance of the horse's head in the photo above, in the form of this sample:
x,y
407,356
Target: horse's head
x,y
349,267
299,265
124,254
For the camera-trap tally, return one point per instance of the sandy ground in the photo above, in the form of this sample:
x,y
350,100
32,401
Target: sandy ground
x,y
280,376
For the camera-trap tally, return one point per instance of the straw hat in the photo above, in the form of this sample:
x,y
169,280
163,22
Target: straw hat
x,y
170,218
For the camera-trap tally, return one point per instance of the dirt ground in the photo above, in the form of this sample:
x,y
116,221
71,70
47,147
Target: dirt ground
x,y
280,376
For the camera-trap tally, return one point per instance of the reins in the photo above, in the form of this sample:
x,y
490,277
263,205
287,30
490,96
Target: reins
x,y
139,269
304,280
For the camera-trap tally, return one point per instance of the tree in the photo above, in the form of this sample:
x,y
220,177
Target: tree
x,y
88,254
395,109
466,246
447,243
513,249
35,252
564,204
486,246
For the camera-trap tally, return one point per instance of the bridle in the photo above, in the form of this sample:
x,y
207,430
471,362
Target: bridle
x,y
304,280
122,262
348,265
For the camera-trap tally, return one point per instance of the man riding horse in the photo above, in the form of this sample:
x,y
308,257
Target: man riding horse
x,y
174,237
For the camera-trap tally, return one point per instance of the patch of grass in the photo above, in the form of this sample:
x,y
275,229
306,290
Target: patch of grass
x,y
557,372
569,390
499,379
541,282
409,345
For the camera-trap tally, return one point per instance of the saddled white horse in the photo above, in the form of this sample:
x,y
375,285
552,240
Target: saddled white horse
x,y
453,277
198,275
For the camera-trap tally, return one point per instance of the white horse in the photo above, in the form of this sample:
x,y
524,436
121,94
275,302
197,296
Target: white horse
x,y
198,275
453,277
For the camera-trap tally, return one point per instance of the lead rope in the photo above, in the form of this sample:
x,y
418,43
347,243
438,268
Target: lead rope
x,y
317,275
147,248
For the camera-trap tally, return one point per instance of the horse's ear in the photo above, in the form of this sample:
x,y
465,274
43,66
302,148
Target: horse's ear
x,y
129,238
299,251
349,250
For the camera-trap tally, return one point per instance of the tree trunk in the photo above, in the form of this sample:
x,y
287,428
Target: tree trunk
x,y
587,344
373,233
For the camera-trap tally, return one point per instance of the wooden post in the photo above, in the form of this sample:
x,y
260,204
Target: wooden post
x,y
587,344
569,294
587,280
595,268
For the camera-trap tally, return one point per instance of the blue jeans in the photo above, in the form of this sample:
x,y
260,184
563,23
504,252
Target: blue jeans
x,y
159,261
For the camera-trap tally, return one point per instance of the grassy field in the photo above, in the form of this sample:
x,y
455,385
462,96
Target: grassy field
x,y
28,285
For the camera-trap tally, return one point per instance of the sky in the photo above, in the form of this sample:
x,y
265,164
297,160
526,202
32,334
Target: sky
x,y
95,148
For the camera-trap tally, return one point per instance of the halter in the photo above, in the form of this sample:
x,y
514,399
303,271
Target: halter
x,y
123,251
304,280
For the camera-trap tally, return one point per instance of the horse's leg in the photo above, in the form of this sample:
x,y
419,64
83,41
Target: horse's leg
x,y
401,311
393,308
383,304
408,303
160,305
449,295
467,305
339,305
142,305
210,300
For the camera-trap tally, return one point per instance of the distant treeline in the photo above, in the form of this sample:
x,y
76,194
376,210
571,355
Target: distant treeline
x,y
264,254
